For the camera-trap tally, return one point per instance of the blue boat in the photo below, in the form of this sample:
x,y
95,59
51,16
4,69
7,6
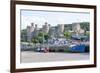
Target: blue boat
x,y
82,46
77,48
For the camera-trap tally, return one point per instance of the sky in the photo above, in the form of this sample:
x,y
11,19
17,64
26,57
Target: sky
x,y
51,17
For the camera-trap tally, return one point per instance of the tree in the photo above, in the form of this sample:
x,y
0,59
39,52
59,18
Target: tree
x,y
35,40
87,34
40,34
23,35
43,36
46,36
40,39
67,34
85,26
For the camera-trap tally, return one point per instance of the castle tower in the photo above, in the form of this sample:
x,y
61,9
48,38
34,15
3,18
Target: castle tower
x,y
77,29
35,33
60,30
46,27
30,29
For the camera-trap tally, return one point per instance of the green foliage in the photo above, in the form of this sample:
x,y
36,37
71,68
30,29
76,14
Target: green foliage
x,y
46,36
87,34
23,31
40,38
23,35
42,35
35,40
85,26
67,34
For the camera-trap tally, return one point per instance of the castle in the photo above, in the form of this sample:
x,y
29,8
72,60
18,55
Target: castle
x,y
53,31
